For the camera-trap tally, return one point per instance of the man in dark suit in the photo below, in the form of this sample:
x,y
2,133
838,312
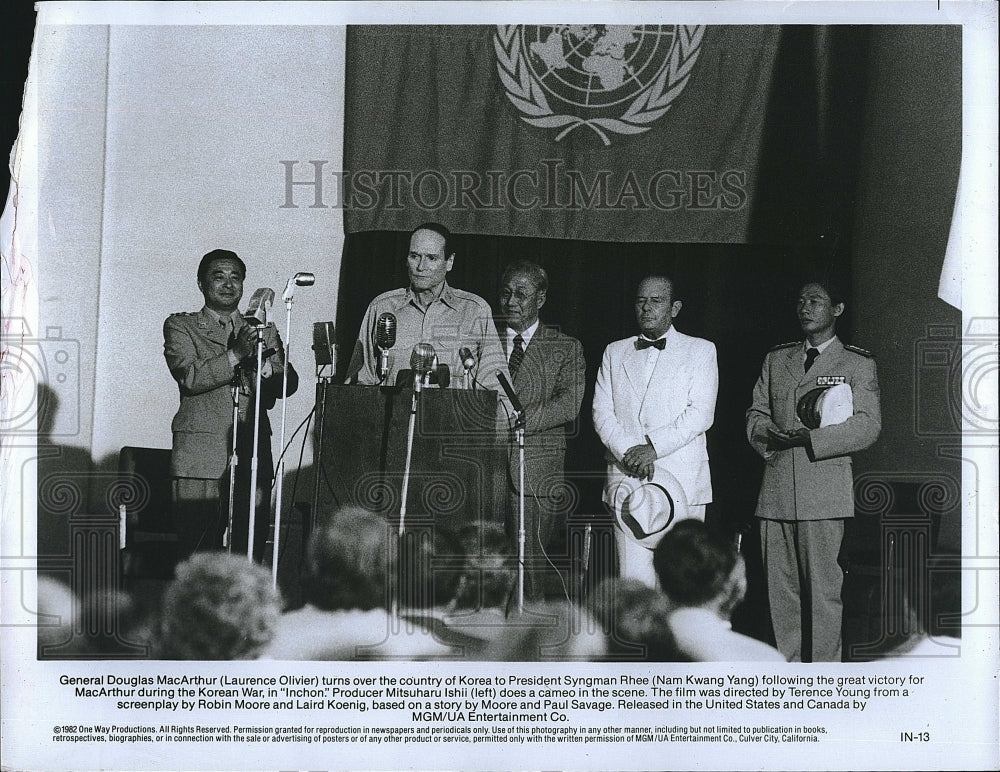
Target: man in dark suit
x,y
808,488
547,368
211,354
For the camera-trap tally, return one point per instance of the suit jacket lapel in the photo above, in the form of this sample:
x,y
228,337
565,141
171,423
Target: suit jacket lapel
x,y
634,364
666,363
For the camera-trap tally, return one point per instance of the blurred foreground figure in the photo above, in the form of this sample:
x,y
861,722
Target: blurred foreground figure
x,y
220,607
638,618
704,579
548,631
347,584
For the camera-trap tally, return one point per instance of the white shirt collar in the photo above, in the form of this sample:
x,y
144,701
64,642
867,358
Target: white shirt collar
x,y
821,347
525,336
667,334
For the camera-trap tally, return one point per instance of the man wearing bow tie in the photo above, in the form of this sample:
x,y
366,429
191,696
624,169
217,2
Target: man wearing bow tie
x,y
653,402
209,353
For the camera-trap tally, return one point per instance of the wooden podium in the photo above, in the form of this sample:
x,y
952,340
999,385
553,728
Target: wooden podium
x,y
458,464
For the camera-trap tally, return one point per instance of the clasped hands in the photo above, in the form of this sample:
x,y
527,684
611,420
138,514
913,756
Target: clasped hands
x,y
245,345
639,461
779,439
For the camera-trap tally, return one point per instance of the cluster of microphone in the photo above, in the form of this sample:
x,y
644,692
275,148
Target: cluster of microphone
x,y
425,369
424,363
258,311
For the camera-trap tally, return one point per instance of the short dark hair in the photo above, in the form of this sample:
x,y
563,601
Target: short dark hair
x,y
488,574
348,562
675,292
693,563
219,254
830,285
440,230
538,276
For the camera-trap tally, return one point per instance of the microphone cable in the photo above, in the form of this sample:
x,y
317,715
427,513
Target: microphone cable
x,y
295,481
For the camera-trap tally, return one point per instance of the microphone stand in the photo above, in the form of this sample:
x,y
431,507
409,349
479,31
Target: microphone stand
x,y
281,445
383,365
418,379
256,437
519,423
519,434
324,381
234,461
410,430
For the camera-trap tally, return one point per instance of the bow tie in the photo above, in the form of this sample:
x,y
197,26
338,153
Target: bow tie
x,y
642,343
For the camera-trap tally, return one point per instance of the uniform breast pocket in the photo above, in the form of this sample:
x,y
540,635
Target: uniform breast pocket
x,y
834,464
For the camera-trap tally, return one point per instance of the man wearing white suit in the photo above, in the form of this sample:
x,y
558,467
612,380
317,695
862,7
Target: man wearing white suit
x,y
653,403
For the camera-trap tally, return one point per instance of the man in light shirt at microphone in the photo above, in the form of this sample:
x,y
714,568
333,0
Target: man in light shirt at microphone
x,y
457,324
210,352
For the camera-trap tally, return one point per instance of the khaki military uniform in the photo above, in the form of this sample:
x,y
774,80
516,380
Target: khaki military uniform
x,y
195,346
806,495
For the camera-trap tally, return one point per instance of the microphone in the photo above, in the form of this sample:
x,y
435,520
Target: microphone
x,y
421,362
509,391
441,375
422,358
468,362
301,279
426,370
259,306
323,343
385,339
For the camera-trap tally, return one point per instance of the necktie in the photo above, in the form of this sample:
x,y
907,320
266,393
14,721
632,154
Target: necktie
x,y
811,354
516,356
227,326
643,343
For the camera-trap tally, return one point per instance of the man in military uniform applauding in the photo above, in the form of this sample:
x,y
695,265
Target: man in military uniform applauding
x,y
211,354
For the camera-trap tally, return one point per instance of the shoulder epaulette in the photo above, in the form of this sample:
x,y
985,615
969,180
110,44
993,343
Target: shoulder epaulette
x,y
184,313
860,351
466,295
399,291
787,345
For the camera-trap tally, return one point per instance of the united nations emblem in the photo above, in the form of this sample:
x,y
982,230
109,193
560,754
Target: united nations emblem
x,y
611,78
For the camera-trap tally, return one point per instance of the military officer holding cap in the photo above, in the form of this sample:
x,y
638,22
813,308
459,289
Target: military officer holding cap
x,y
807,490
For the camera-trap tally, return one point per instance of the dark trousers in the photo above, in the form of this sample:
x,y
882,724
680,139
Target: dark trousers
x,y
197,515
200,512
541,517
